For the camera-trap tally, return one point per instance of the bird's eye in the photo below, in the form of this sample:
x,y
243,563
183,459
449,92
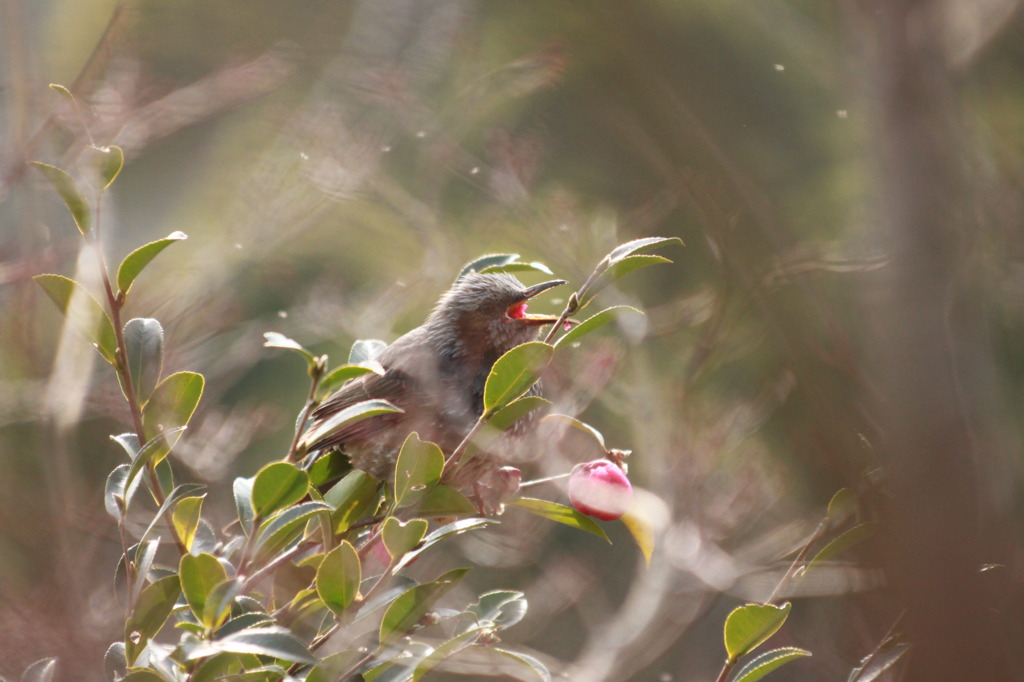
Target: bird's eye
x,y
517,311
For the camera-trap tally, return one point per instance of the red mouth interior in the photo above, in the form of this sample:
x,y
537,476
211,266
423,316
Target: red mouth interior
x,y
517,311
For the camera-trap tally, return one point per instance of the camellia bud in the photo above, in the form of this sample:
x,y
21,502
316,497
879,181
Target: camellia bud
x,y
600,489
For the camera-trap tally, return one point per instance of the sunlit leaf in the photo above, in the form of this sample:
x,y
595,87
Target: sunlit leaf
x,y
333,667
278,485
350,498
151,610
83,312
365,350
534,266
113,492
845,541
199,576
764,663
531,664
514,373
68,190
410,607
278,340
273,641
339,375
173,401
160,445
185,516
626,249
640,526
750,625
594,435
841,505
136,261
439,534
242,491
443,651
560,514
499,609
178,493
594,322
872,666
338,577
114,663
144,342
401,536
281,528
108,162
488,261
417,469
41,671
443,500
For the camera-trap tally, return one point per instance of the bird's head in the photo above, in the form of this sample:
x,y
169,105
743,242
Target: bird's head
x,y
490,309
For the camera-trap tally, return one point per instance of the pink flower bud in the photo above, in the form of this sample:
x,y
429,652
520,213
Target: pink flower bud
x,y
600,489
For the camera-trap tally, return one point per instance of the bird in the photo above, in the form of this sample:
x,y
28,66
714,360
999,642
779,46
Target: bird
x,y
435,374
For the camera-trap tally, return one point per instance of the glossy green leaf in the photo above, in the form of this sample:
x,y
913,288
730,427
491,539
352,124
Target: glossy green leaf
x,y
594,322
560,514
144,342
493,260
872,666
502,420
244,621
499,609
107,163
278,485
626,249
339,375
764,663
178,493
42,670
278,340
365,350
83,312
443,500
514,373
185,516
750,625
402,536
410,607
241,490
439,534
641,528
274,641
350,498
114,663
160,445
632,263
344,418
151,610
283,527
173,401
444,651
69,191
113,492
531,664
136,261
199,575
328,468
852,537
338,577
145,555
418,468
517,266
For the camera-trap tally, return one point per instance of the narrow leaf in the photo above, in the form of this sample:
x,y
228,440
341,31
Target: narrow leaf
x,y
273,641
83,311
872,666
113,492
444,651
643,244
841,505
172,404
161,444
339,375
489,261
514,373
136,261
418,468
749,626
68,190
185,516
534,666
596,436
764,663
144,341
436,536
277,340
409,608
534,266
561,514
640,526
594,322
242,492
42,670
845,541
338,577
278,485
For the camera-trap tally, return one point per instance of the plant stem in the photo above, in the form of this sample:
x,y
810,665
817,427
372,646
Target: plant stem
x,y
726,669
306,410
455,459
576,300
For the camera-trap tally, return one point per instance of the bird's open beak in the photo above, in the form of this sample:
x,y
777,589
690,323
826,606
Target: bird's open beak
x,y
517,311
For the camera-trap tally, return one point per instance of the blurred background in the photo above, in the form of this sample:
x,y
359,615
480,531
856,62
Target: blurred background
x,y
847,310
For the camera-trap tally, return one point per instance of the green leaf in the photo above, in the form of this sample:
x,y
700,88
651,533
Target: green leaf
x,y
328,468
144,341
534,666
443,500
561,514
594,322
489,261
417,469
83,312
640,526
436,536
111,163
410,607
181,491
843,542
350,415
750,625
278,530
841,505
514,411
364,350
339,375
277,340
273,641
152,608
596,436
626,249
278,485
332,667
113,492
443,651
199,576
514,373
145,555
114,664
42,670
241,489
172,404
185,516
142,675
338,577
136,261
876,663
764,663
400,537
68,190
534,266
350,498
499,609
161,443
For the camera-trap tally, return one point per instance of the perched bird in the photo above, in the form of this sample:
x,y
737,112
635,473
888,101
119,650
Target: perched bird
x,y
434,373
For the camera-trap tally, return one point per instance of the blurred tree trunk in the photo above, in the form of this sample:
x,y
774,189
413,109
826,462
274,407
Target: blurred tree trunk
x,y
929,353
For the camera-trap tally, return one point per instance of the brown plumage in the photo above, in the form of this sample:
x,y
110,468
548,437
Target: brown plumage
x,y
434,373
